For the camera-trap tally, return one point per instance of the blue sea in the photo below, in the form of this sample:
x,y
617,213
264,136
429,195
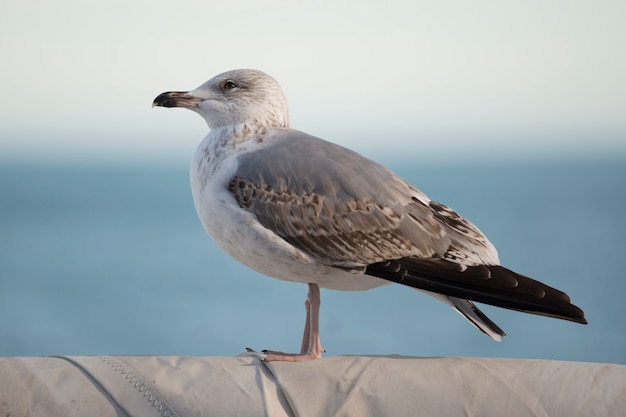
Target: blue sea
x,y
111,259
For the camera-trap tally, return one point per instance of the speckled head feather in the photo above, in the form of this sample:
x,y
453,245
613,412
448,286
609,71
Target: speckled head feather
x,y
242,97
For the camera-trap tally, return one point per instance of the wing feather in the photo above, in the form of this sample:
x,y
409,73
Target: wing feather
x,y
345,210
490,284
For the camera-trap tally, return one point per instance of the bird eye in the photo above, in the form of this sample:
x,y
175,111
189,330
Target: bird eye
x,y
229,85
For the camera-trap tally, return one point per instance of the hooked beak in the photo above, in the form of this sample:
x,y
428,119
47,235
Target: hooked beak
x,y
176,99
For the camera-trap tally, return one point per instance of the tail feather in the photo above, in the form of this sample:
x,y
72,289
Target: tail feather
x,y
476,317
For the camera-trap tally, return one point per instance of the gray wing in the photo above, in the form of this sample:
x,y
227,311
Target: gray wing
x,y
345,210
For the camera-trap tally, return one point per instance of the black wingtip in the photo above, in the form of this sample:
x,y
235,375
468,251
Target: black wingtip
x,y
489,284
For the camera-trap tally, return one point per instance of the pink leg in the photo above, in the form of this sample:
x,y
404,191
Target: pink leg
x,y
311,347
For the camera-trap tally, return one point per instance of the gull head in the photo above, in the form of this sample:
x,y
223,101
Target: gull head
x,y
238,98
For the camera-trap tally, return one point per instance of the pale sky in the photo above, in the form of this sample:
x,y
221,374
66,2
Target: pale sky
x,y
405,77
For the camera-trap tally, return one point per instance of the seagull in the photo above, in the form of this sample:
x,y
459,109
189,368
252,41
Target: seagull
x,y
298,208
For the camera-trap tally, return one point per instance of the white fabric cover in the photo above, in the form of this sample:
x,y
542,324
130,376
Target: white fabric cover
x,y
336,386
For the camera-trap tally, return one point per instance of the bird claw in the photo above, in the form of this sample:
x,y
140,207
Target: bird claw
x,y
276,356
253,353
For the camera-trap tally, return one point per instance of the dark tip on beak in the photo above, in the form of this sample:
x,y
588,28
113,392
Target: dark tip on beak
x,y
176,99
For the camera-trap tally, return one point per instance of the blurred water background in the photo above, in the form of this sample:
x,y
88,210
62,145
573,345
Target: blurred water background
x,y
111,259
